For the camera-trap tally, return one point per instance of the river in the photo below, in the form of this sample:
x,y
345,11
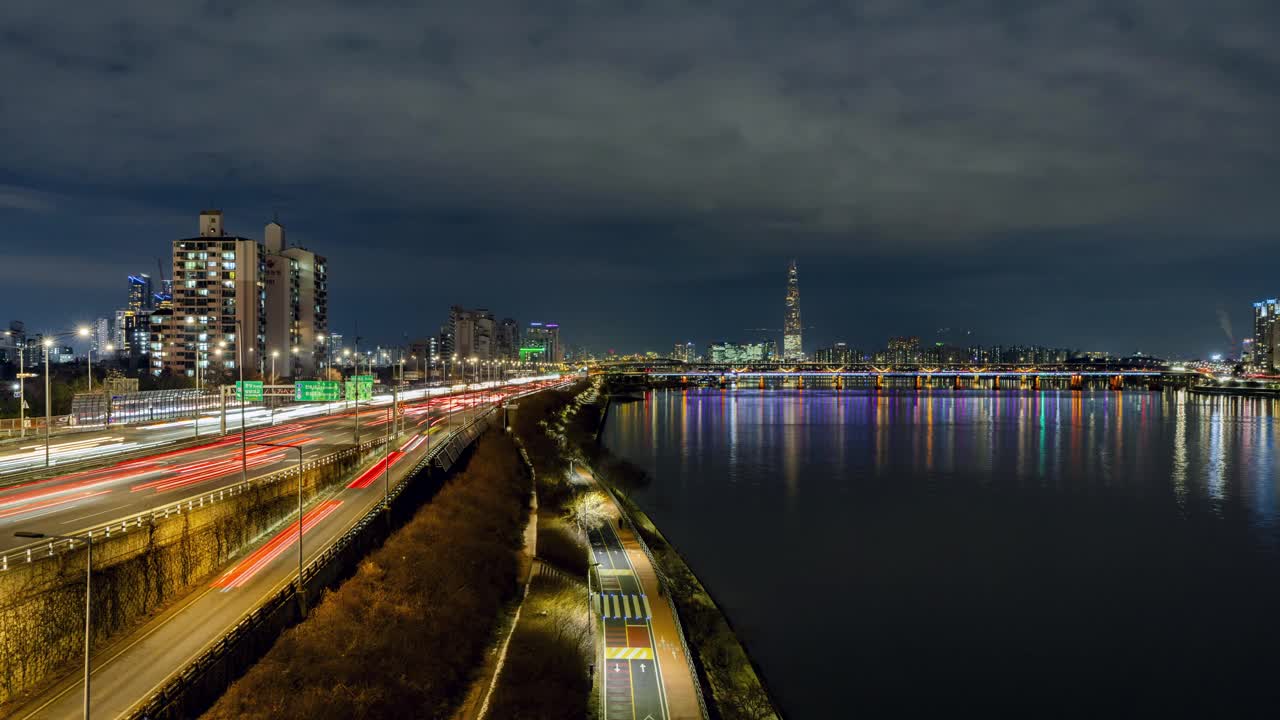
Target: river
x,y
1048,554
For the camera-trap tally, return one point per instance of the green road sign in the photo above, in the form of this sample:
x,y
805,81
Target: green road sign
x,y
359,390
252,390
363,379
317,391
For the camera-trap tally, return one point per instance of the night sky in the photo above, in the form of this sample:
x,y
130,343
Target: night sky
x,y
1097,175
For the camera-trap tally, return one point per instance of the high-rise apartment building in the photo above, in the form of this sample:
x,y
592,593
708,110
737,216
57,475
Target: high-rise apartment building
x,y
684,352
1266,336
839,353
507,342
296,304
903,350
471,333
102,335
792,342
219,300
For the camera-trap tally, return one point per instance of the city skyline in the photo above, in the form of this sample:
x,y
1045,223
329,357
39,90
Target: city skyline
x,y
1110,188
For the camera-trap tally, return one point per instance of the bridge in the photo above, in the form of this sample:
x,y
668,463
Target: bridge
x,y
1074,375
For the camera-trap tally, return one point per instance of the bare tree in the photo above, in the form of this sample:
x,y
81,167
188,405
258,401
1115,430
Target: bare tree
x,y
589,510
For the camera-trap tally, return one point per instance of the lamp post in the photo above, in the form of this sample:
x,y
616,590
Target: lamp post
x,y
301,597
88,588
324,354
22,386
48,398
244,454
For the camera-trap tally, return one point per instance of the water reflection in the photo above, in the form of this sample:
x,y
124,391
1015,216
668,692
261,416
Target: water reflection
x,y
1004,547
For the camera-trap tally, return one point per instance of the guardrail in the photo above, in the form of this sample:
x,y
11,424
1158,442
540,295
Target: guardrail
x,y
156,705
46,549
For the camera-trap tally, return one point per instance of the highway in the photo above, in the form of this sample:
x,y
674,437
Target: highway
x,y
27,454
131,669
91,498
23,455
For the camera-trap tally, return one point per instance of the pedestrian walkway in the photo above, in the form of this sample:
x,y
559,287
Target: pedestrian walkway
x,y
639,628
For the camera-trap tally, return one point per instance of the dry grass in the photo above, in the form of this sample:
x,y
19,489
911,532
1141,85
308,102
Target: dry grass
x,y
402,637
546,673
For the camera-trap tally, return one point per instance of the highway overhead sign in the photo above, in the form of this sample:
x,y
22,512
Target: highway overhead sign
x,y
252,390
317,391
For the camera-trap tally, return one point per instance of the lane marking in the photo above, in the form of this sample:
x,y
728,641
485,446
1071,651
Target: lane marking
x,y
85,517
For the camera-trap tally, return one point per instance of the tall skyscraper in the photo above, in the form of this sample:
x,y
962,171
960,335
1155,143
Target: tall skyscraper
x,y
1266,335
792,345
140,298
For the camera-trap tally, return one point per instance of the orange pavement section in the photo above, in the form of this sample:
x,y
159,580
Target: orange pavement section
x,y
677,676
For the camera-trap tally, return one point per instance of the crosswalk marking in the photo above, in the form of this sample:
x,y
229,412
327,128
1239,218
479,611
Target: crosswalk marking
x,y
622,606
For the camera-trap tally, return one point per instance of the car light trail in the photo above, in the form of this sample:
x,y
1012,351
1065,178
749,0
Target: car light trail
x,y
48,504
244,571
368,476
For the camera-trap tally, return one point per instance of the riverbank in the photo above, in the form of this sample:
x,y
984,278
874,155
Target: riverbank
x,y
1237,391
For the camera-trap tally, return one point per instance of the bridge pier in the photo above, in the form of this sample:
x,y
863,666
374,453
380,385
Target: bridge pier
x,y
956,383
879,381
800,382
761,382
1117,382
1077,383
919,382
995,382
1036,384
839,382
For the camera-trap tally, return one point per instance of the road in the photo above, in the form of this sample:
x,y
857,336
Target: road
x,y
128,671
646,675
92,498
20,456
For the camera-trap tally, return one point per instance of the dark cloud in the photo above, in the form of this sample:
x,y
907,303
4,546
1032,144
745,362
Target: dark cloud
x,y
663,144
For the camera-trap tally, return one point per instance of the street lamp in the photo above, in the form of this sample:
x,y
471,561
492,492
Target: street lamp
x,y
301,597
48,398
22,385
244,450
274,354
88,587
